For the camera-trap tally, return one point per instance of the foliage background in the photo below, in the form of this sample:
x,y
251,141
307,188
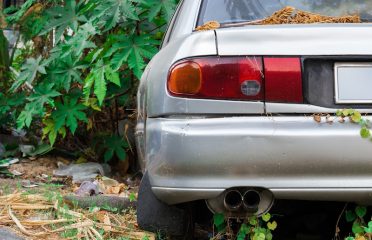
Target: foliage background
x,y
73,77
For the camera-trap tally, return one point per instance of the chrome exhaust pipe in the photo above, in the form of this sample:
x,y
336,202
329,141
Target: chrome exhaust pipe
x,y
233,200
251,200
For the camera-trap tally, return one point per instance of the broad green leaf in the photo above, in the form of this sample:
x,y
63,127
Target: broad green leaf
x,y
43,94
24,119
356,117
133,50
112,12
51,131
76,45
259,236
164,7
360,211
67,72
245,229
347,112
266,217
11,19
357,228
365,133
63,17
68,114
253,221
117,145
99,76
272,225
350,238
28,72
368,230
219,221
269,236
350,216
112,76
100,87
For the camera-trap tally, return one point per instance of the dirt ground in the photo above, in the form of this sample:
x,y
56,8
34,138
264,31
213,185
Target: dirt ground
x,y
34,205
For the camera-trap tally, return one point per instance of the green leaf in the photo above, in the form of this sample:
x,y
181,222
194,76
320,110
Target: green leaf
x,y
63,17
350,216
132,197
339,113
361,211
28,72
357,228
109,154
347,112
68,114
76,45
100,87
20,13
272,225
115,144
266,217
25,117
253,221
219,221
43,94
259,236
365,133
163,7
133,50
112,76
350,238
67,72
112,12
356,117
269,236
51,131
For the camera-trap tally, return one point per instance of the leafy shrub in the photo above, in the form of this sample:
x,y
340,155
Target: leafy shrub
x,y
77,72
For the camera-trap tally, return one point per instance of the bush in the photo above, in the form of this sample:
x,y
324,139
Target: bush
x,y
76,74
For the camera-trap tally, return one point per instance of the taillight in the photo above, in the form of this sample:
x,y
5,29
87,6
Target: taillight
x,y
232,78
283,80
238,78
185,78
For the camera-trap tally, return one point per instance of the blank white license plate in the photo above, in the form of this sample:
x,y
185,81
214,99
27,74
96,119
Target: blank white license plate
x,y
353,82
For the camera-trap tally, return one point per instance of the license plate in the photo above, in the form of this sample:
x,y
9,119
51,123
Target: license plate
x,y
353,83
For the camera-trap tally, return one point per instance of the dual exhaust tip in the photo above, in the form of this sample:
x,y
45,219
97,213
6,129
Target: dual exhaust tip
x,y
234,200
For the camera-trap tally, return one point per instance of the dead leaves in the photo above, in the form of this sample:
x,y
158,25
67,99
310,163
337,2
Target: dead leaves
x,y
328,118
211,25
291,15
111,186
88,225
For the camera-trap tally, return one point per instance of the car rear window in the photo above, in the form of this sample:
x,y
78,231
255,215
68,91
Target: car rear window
x,y
236,11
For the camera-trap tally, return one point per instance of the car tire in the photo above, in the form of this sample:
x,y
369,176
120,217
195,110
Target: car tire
x,y
155,216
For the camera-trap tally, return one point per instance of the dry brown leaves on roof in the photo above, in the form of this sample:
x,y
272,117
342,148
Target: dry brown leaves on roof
x,y
288,15
291,15
211,25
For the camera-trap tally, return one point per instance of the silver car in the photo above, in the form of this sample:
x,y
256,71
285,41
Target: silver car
x,y
226,115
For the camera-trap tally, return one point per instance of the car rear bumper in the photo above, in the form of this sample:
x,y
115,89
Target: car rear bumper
x,y
294,157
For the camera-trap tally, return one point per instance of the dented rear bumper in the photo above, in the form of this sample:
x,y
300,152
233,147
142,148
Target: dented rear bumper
x,y
295,157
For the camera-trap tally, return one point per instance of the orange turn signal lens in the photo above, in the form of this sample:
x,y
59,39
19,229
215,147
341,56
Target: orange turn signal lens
x,y
185,78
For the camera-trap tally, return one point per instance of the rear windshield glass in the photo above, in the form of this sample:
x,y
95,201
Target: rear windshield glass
x,y
236,11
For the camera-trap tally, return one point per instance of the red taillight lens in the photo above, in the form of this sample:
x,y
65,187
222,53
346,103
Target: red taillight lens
x,y
283,80
238,78
232,78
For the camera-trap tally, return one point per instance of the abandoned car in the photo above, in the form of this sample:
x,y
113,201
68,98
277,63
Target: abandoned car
x,y
226,108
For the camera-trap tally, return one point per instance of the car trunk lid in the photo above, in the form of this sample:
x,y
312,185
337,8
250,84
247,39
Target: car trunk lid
x,y
296,40
319,50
